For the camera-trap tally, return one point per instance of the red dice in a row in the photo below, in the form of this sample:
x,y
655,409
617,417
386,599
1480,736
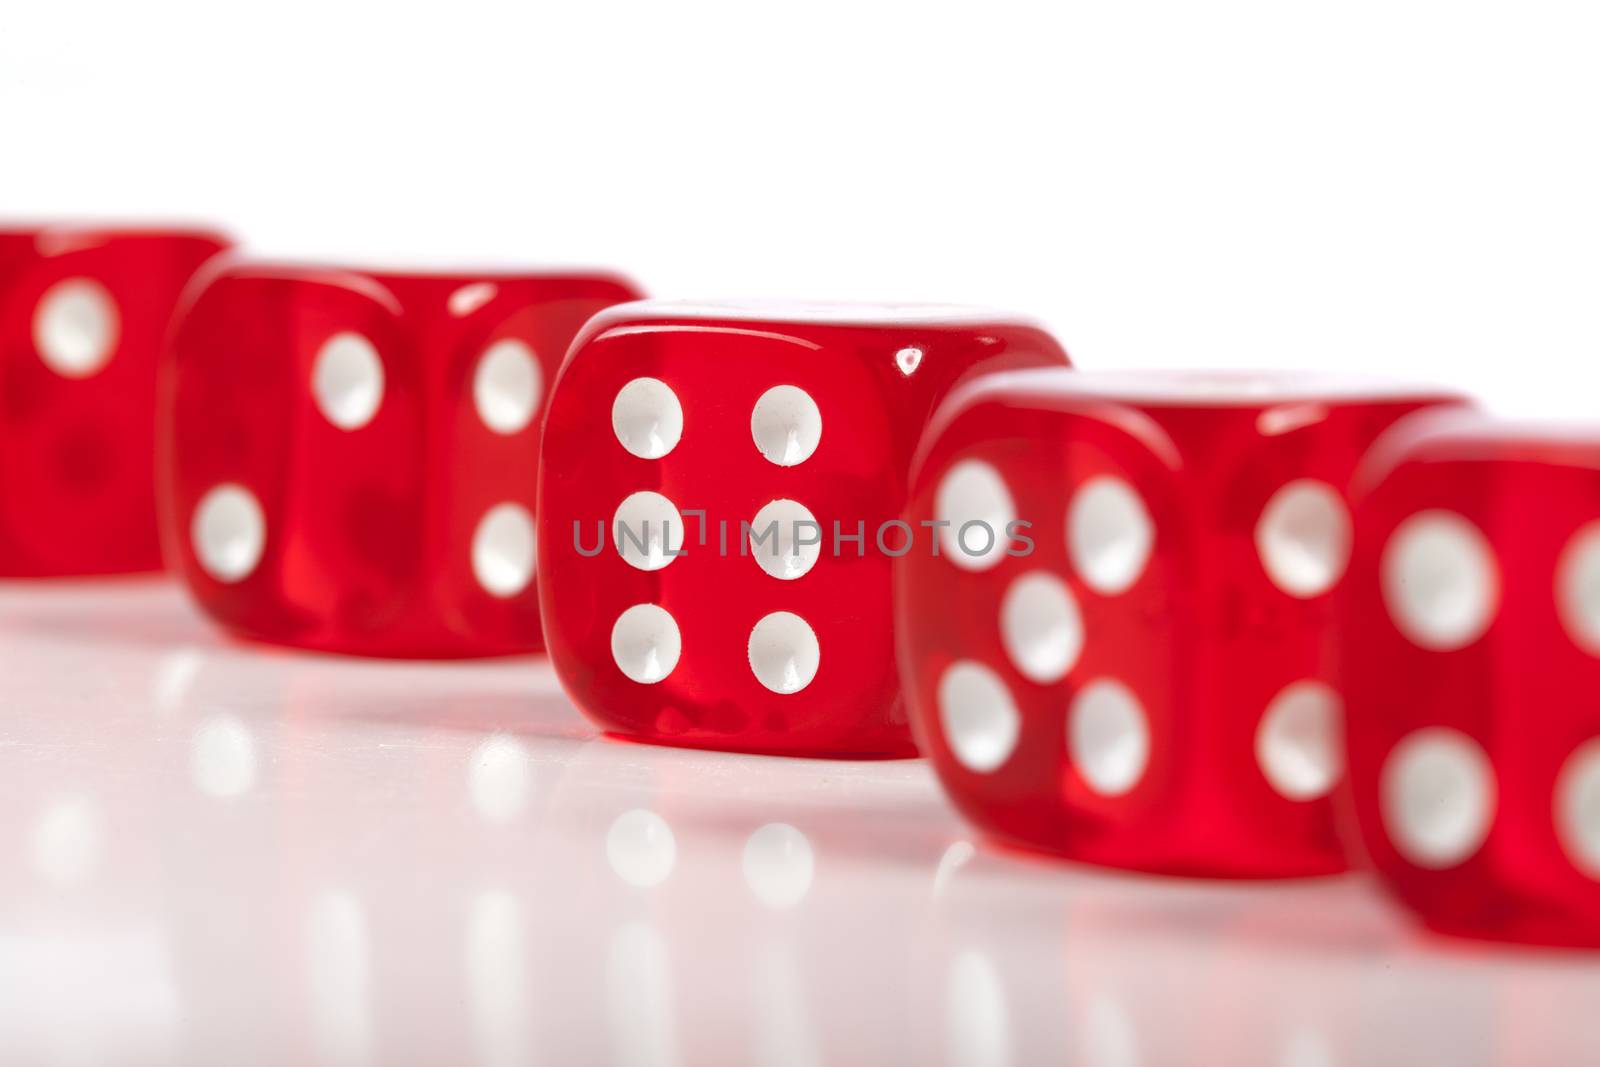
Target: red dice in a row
x,y
1169,622
1256,604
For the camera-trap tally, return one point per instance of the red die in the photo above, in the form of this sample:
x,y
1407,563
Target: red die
x,y
1145,682
1471,637
715,562
348,458
83,315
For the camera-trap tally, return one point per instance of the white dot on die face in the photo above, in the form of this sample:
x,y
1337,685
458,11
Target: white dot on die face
x,y
1109,534
1041,627
1437,797
507,386
1577,808
786,425
647,418
503,550
1108,738
976,509
790,539
347,380
783,651
978,716
1298,743
1439,580
647,531
1578,588
1303,538
75,327
645,643
228,533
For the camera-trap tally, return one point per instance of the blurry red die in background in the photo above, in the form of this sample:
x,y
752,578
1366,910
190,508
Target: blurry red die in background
x,y
1152,687
84,312
715,505
1471,646
348,458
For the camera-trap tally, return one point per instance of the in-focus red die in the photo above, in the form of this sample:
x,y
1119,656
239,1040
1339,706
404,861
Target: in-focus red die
x,y
83,316
348,458
1150,684
719,506
1471,647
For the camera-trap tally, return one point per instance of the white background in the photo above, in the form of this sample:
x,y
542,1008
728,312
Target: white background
x,y
210,854
1408,187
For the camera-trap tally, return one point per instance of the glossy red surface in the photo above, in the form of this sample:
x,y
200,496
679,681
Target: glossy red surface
x,y
873,376
387,428
1470,660
1173,615
83,315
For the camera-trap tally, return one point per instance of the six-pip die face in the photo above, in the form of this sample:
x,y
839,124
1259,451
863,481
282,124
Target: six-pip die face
x,y
84,312
348,458
1151,686
716,507
1470,642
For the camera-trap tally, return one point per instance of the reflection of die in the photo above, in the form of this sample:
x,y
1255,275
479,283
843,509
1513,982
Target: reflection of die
x,y
1151,687
1472,644
349,458
791,426
83,314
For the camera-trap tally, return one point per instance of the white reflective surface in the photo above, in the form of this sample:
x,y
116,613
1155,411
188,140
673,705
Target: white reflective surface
x,y
215,853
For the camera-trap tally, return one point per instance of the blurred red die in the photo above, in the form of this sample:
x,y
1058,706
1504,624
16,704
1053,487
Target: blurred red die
x,y
348,457
84,313
1471,642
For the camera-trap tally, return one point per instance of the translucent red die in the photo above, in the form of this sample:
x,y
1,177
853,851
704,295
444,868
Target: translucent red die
x,y
1471,646
1147,681
348,458
719,506
84,312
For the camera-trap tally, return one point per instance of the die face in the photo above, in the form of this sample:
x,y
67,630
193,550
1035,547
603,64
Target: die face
x,y
1468,638
349,458
724,422
286,524
1170,704
83,317
501,351
990,647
